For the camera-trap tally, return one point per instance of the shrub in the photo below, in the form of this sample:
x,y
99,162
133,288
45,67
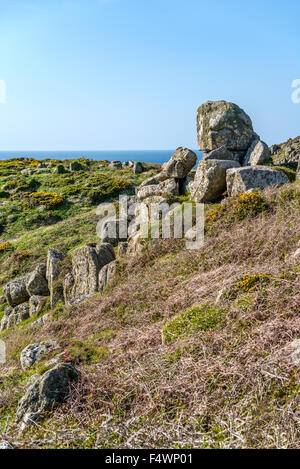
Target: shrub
x,y
247,283
236,209
35,199
7,246
197,318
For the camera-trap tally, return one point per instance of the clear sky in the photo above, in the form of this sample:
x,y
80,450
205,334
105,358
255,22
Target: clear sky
x,y
130,74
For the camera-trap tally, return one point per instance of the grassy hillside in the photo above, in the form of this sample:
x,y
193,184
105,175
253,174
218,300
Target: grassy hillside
x,y
185,348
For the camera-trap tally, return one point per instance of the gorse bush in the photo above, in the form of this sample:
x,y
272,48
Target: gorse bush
x,y
48,199
7,246
235,209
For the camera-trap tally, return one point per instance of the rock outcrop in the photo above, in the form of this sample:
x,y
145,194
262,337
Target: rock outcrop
x,y
46,392
14,316
241,180
287,153
87,261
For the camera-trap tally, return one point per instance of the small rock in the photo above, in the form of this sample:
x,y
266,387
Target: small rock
x,y
122,249
45,393
106,274
138,168
115,164
258,154
34,353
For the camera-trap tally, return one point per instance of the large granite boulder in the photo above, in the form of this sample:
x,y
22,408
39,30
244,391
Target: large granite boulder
x,y
87,261
241,180
210,180
222,123
34,353
46,392
52,273
257,154
36,283
180,164
16,292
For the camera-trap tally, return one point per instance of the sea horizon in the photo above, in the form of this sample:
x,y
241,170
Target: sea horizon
x,y
145,156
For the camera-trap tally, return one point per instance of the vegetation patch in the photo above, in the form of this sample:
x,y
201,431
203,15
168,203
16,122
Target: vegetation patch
x,y
198,318
235,209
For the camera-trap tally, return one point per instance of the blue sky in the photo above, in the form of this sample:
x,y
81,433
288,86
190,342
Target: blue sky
x,y
130,74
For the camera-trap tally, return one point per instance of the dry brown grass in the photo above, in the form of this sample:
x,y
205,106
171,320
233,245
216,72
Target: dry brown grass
x,y
211,389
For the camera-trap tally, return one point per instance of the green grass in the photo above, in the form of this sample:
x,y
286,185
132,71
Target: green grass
x,y
198,318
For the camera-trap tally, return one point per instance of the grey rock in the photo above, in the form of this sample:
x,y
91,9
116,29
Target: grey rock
x,y
210,180
163,189
221,153
241,180
36,283
16,292
106,274
14,316
52,273
138,168
180,163
115,164
40,321
45,393
87,261
34,353
222,123
257,154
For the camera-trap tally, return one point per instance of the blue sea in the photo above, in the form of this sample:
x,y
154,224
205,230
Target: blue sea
x,y
145,156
